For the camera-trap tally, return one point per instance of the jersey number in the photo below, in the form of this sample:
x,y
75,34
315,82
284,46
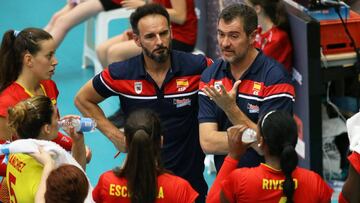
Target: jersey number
x,y
12,180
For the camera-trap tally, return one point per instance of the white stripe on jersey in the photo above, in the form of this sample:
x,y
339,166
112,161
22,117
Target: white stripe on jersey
x,y
181,95
147,97
267,98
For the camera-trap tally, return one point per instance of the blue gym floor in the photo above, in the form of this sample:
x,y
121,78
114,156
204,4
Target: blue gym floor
x,y
69,75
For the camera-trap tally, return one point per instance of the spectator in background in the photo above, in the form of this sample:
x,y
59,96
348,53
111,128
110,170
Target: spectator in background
x,y
143,176
161,79
35,118
76,12
241,86
278,179
273,35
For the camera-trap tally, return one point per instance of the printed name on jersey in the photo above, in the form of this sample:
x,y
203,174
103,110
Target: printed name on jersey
x,y
274,184
182,84
17,163
253,108
122,191
138,87
182,102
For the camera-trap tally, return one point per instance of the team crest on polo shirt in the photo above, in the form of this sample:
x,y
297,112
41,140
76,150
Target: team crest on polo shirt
x,y
138,87
217,85
182,84
253,108
256,88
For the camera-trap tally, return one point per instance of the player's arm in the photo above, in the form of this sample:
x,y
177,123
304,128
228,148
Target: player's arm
x,y
178,11
236,150
87,100
49,164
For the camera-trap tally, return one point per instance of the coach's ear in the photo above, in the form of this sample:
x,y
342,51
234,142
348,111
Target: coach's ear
x,y
136,38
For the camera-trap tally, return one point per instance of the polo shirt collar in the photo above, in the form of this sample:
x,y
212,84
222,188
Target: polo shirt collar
x,y
175,68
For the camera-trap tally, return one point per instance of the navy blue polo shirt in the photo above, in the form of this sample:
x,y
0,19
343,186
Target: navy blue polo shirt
x,y
176,103
265,86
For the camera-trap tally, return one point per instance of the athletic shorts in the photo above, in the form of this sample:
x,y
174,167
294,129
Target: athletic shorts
x,y
110,4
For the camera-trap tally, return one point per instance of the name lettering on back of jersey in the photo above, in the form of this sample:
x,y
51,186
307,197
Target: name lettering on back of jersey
x,y
182,84
182,102
273,184
122,191
138,87
256,88
253,108
17,163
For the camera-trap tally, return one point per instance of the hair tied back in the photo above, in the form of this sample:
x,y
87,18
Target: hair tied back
x,y
266,115
16,33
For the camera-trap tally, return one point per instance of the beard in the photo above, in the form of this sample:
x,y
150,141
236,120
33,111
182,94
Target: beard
x,y
158,57
236,58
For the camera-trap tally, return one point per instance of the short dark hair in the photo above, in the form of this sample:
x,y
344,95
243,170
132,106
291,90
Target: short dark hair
x,y
148,9
244,13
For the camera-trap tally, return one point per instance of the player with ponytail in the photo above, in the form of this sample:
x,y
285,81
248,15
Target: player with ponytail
x,y
279,179
143,179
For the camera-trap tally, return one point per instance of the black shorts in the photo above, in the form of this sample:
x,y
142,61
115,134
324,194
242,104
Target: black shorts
x,y
109,5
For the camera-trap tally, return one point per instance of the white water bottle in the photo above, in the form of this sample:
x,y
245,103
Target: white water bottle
x,y
80,124
248,136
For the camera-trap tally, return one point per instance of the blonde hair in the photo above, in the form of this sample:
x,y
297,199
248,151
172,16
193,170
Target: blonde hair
x,y
28,117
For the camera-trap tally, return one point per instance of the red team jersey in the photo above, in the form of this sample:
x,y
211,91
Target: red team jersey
x,y
15,93
263,184
171,189
276,44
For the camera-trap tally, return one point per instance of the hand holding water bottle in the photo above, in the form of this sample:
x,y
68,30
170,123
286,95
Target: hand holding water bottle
x,y
80,124
237,147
